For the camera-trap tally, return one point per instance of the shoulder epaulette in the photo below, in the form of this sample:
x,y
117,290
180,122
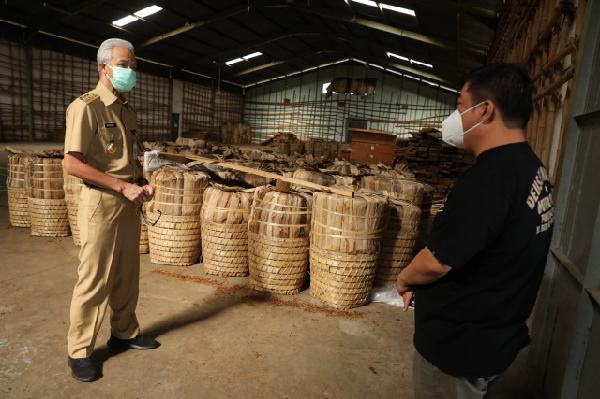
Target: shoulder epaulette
x,y
88,97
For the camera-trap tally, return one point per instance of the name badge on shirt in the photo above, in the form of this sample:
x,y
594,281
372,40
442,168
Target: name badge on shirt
x,y
110,124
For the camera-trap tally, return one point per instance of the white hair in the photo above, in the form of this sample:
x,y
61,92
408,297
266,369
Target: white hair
x,y
106,48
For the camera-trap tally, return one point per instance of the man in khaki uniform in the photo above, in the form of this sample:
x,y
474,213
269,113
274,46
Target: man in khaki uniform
x,y
101,147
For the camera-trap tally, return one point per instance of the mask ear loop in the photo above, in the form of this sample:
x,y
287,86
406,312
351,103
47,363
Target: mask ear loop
x,y
478,123
106,74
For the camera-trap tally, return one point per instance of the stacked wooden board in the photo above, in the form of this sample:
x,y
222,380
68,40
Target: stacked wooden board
x,y
433,161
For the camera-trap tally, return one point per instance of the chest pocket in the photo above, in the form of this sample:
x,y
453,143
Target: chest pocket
x,y
111,140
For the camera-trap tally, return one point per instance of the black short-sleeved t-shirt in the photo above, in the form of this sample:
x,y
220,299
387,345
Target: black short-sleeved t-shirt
x,y
494,232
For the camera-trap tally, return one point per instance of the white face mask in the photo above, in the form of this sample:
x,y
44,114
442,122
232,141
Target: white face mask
x,y
452,128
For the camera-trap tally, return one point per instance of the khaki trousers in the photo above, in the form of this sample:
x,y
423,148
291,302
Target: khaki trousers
x,y
108,272
432,383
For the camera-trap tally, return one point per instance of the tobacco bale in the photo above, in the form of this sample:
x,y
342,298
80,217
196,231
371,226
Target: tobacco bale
x,y
398,242
18,210
315,177
47,207
224,220
403,189
279,229
175,239
346,236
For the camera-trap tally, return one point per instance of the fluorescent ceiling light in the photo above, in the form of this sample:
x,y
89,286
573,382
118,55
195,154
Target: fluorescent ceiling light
x,y
400,57
389,54
421,63
401,10
124,20
244,58
144,12
372,3
235,61
247,57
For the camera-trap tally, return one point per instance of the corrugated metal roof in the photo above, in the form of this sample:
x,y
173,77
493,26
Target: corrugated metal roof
x,y
453,36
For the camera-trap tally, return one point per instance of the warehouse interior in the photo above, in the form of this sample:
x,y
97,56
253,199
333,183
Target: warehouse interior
x,y
317,97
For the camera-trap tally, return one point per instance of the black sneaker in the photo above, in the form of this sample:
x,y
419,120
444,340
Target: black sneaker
x,y
84,369
139,342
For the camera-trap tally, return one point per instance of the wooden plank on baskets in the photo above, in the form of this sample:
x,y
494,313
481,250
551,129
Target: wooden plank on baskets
x,y
257,172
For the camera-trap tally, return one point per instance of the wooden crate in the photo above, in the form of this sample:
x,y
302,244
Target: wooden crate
x,y
373,146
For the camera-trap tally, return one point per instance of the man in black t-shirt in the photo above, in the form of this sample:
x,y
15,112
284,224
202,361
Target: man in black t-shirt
x,y
476,281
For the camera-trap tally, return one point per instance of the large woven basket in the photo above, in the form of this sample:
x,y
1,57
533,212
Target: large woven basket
x,y
277,265
144,242
18,210
346,239
398,241
174,240
49,217
224,219
225,249
46,197
278,240
341,280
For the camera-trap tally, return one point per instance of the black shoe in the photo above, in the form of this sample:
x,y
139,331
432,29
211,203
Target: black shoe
x,y
84,369
139,342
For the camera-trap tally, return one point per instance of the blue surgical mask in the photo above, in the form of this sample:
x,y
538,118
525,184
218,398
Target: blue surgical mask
x,y
123,79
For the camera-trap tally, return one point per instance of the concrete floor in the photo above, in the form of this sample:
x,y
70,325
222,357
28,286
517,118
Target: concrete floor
x,y
219,340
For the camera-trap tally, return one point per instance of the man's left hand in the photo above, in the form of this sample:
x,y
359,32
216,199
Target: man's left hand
x,y
404,290
148,192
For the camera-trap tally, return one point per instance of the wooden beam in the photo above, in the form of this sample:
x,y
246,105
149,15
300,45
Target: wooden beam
x,y
194,25
393,30
65,13
257,172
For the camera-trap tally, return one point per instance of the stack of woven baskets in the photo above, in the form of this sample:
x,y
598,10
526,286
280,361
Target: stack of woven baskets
x,y
18,210
224,221
175,238
398,241
46,197
346,239
406,197
278,241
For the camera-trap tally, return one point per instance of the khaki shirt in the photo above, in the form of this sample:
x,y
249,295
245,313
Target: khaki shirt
x,y
103,128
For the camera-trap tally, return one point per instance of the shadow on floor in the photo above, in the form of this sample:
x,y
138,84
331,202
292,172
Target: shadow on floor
x,y
198,313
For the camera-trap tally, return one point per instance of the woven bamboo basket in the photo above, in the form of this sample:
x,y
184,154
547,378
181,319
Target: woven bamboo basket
x,y
398,241
346,236
427,201
224,221
144,242
46,197
72,187
315,177
175,239
18,209
402,189
278,240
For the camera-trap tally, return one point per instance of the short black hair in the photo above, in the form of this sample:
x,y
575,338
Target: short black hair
x,y
508,86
